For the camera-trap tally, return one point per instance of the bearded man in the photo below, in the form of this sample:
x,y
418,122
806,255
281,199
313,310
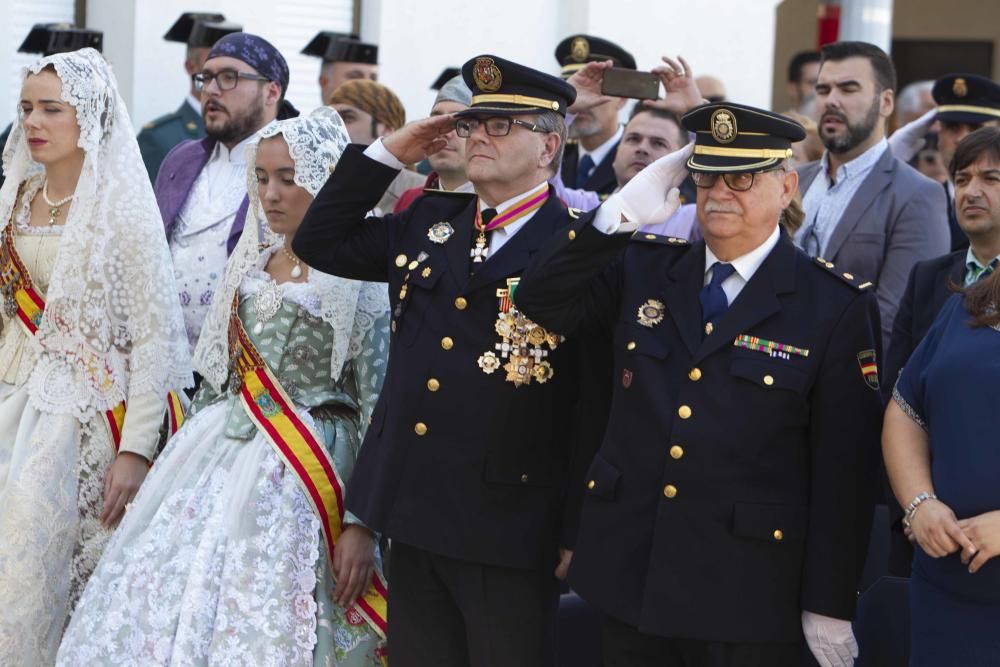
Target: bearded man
x,y
201,186
867,212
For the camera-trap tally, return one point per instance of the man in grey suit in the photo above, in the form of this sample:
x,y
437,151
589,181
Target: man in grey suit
x,y
867,212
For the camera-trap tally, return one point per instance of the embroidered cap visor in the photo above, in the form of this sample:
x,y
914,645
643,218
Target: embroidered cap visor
x,y
503,88
737,138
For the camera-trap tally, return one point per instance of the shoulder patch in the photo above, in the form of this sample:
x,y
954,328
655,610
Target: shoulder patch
x,y
646,237
857,283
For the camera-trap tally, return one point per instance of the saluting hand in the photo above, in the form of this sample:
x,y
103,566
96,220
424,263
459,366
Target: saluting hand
x,y
652,195
415,141
353,564
984,532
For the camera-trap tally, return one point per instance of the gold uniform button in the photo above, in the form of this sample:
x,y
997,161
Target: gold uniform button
x,y
849,276
420,428
572,235
412,265
709,328
461,303
433,384
768,380
684,412
651,237
670,491
630,346
694,374
426,273
676,452
591,484
447,343
778,535
400,261
524,479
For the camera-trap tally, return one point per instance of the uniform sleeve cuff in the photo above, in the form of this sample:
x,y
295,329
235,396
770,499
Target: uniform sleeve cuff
x,y
378,152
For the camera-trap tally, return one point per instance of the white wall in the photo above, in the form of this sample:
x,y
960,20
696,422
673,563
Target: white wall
x,y
732,39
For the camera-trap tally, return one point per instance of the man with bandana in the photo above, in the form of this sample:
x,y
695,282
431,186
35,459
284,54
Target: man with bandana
x,y
201,186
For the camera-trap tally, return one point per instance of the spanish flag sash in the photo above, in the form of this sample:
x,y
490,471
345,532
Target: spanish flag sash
x,y
273,412
21,299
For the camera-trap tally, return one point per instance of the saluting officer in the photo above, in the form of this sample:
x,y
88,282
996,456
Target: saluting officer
x,y
49,38
728,510
465,462
199,31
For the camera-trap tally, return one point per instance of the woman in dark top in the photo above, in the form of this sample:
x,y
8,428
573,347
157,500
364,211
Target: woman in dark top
x,y
942,453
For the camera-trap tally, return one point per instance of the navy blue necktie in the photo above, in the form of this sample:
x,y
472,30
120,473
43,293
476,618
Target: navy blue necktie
x,y
712,297
583,170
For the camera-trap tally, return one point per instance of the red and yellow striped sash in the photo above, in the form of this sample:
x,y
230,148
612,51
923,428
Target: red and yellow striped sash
x,y
22,300
273,412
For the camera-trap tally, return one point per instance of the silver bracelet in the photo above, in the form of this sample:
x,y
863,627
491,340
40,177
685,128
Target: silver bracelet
x,y
911,509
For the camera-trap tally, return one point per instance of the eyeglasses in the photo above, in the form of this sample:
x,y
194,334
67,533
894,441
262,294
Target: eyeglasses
x,y
498,126
738,182
226,79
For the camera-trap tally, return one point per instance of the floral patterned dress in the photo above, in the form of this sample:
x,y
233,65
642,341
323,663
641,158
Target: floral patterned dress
x,y
220,560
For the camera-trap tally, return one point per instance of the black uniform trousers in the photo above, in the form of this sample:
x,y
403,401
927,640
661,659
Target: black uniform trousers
x,y
625,646
450,613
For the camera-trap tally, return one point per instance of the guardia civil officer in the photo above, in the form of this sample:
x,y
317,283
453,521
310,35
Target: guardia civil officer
x,y
727,512
49,38
466,460
199,31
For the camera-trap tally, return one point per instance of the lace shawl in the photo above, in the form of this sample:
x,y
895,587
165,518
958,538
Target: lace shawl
x,y
112,322
349,307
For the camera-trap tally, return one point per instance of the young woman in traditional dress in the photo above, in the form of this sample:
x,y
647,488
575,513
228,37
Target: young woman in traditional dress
x,y
91,324
224,558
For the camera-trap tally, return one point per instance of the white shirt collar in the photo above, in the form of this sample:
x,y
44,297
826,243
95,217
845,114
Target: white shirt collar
x,y
746,265
238,155
601,152
512,228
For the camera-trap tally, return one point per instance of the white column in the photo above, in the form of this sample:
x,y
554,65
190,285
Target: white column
x,y
867,21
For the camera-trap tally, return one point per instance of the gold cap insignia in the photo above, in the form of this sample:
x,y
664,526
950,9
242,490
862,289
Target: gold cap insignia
x,y
579,49
960,88
486,75
723,126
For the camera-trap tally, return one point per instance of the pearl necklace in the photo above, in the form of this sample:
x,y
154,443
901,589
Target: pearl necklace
x,y
296,271
54,206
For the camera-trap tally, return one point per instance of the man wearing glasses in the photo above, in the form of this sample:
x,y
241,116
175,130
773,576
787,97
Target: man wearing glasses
x,y
467,458
727,512
201,185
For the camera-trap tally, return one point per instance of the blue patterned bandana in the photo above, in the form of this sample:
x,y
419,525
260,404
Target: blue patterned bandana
x,y
256,52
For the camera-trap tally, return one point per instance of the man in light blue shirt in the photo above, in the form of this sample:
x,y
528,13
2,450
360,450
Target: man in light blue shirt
x,y
866,212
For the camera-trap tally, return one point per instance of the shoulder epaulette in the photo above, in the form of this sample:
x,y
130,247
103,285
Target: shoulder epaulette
x,y
165,118
844,276
646,237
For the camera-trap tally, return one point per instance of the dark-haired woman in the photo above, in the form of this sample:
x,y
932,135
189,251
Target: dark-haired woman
x,y
943,459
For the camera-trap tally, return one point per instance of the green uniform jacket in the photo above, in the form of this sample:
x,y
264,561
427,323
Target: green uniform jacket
x,y
159,136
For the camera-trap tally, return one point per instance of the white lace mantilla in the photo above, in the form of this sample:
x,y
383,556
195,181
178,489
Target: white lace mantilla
x,y
350,307
112,322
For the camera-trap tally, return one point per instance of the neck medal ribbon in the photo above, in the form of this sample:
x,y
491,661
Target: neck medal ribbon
x,y
525,207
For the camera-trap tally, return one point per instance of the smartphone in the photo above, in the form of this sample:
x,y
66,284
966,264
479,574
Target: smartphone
x,y
630,83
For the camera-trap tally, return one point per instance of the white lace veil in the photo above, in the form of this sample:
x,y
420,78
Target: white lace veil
x,y
349,307
113,323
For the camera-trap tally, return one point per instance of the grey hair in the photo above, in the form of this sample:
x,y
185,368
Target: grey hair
x,y
909,97
550,121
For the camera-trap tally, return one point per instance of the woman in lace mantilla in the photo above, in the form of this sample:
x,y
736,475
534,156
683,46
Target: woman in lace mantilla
x,y
221,559
90,324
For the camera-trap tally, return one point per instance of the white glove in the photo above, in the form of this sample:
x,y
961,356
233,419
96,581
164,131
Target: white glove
x,y
650,197
831,640
907,141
